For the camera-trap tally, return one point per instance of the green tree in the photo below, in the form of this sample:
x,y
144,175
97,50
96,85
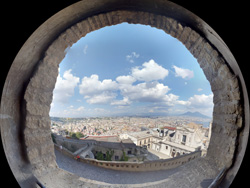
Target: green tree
x,y
99,156
109,155
73,135
124,157
79,135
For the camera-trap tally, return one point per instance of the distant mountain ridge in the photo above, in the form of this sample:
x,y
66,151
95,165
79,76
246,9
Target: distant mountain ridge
x,y
194,114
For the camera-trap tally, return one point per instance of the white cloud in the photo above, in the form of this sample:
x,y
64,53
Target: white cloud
x,y
151,71
80,109
124,102
201,101
102,98
64,88
92,86
125,79
199,89
85,49
98,92
145,92
68,112
130,58
184,73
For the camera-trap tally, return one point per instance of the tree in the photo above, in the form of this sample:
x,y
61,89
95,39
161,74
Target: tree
x,y
109,155
124,157
99,156
73,135
79,135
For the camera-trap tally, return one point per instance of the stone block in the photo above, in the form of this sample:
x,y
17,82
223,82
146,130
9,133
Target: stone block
x,y
33,153
43,81
72,36
152,20
94,25
37,109
197,47
37,122
167,24
47,148
83,28
185,35
57,48
77,32
38,96
192,39
115,17
217,84
51,61
176,29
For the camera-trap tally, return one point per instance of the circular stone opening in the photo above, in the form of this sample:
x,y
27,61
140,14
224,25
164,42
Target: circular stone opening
x,y
31,115
114,104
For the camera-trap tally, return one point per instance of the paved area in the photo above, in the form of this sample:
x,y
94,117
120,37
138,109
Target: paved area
x,y
110,176
160,155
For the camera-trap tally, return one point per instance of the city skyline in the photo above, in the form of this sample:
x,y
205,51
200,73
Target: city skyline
x,y
130,69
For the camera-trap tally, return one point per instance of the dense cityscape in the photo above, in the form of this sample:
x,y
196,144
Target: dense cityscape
x,y
109,126
160,137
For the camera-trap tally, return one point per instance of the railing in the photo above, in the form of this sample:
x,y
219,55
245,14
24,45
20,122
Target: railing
x,y
162,164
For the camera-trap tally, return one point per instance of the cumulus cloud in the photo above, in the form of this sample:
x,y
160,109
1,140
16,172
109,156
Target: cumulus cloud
x,y
124,102
64,88
201,101
92,85
145,92
184,73
125,79
96,91
130,58
150,71
102,98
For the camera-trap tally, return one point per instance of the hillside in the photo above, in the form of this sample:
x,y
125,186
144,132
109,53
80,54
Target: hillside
x,y
194,114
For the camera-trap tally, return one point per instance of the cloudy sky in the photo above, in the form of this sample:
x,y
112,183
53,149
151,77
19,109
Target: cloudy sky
x,y
129,69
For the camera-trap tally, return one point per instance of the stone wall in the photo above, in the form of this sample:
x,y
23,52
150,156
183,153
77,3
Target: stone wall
x,y
227,116
138,166
71,144
27,95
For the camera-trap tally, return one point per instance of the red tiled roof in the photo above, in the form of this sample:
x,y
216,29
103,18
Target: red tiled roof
x,y
170,128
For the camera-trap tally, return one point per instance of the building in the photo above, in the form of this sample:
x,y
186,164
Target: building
x,y
118,148
172,141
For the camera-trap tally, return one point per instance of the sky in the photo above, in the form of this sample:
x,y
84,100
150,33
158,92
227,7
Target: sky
x,y
129,70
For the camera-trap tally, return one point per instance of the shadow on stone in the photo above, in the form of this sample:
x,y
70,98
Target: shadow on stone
x,y
206,182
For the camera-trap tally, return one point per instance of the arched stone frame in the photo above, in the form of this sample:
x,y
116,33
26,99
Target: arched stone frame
x,y
26,104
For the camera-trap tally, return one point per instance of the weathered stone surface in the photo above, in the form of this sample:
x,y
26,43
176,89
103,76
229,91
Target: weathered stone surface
x,y
214,67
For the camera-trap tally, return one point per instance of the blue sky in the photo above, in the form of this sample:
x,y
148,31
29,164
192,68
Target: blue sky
x,y
129,69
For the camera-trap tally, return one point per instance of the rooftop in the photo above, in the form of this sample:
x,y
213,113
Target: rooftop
x,y
140,135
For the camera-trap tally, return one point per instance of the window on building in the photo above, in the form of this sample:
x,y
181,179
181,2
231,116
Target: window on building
x,y
129,152
166,147
184,138
116,157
